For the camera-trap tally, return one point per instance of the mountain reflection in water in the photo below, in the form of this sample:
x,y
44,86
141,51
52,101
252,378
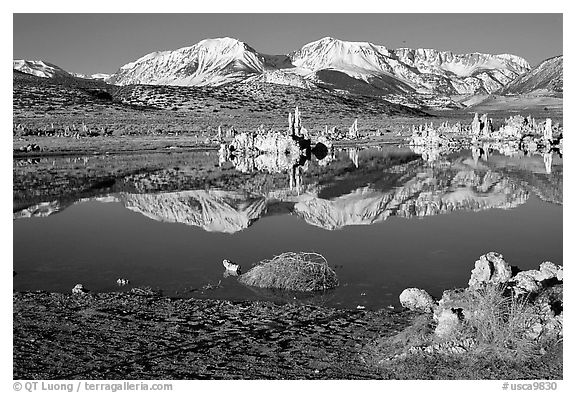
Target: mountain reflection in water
x,y
369,191
351,206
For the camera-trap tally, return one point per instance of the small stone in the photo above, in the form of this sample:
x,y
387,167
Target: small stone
x,y
417,300
122,281
560,274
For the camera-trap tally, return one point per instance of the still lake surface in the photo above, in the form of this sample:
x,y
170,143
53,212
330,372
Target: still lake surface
x,y
384,218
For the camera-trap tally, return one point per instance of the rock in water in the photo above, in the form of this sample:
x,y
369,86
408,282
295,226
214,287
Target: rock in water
x,y
491,268
79,290
417,300
231,267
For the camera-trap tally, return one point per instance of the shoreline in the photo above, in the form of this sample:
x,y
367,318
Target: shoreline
x,y
56,147
128,336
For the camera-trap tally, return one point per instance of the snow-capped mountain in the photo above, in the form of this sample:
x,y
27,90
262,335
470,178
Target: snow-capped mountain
x,y
420,70
43,69
40,68
335,63
98,77
210,62
412,77
546,78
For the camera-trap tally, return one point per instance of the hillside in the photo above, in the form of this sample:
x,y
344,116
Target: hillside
x,y
40,69
546,79
142,109
42,95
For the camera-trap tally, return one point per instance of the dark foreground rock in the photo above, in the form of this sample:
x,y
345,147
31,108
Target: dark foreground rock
x,y
127,336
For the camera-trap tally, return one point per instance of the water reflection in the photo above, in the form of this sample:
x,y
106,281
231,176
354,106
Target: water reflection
x,y
355,187
387,217
483,151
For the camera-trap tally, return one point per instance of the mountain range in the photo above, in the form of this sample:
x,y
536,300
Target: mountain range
x,y
44,69
343,66
328,61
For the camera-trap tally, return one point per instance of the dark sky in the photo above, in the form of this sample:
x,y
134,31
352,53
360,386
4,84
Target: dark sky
x,y
90,43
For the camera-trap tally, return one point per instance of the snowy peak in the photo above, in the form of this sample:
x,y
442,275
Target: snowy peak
x,y
330,53
226,60
461,65
364,68
426,70
213,62
39,68
98,77
44,69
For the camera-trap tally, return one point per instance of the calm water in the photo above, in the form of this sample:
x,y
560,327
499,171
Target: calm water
x,y
385,218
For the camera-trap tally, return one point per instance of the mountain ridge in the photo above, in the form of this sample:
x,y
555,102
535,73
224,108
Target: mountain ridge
x,y
419,78
226,60
545,78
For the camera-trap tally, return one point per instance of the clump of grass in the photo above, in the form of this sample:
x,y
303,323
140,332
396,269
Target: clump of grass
x,y
495,323
499,323
295,271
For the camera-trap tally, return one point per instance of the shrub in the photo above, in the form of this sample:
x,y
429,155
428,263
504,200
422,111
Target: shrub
x,y
296,271
495,325
500,323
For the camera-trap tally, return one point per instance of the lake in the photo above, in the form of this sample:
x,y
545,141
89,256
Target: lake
x,y
386,218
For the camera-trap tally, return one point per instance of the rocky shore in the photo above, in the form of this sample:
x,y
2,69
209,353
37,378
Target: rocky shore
x,y
507,324
504,314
